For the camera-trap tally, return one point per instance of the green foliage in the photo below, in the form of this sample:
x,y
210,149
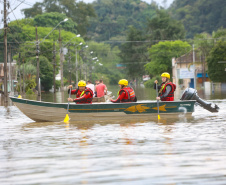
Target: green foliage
x,y
216,70
29,85
204,42
22,22
102,76
107,56
79,12
46,72
28,71
150,83
161,56
32,12
54,18
163,27
220,33
115,16
24,30
65,81
200,15
28,57
29,91
28,51
134,53
135,21
57,82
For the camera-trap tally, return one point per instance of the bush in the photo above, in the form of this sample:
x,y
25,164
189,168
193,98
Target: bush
x,y
30,84
58,83
29,91
150,83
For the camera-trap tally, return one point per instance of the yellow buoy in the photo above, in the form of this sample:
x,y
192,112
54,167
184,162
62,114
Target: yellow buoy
x,y
66,119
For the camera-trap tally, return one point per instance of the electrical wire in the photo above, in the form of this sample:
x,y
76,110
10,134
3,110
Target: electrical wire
x,y
147,41
24,2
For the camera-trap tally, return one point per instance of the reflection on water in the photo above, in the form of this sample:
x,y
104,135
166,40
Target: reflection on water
x,y
180,150
171,151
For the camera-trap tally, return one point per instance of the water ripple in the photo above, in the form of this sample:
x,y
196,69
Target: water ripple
x,y
180,151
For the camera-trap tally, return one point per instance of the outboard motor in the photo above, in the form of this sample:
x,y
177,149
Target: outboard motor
x,y
191,94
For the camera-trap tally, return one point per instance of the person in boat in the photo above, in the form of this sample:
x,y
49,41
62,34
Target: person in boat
x,y
166,89
126,94
95,91
91,86
101,89
83,93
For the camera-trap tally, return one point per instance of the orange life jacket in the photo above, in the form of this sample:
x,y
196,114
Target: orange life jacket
x,y
170,96
130,94
81,93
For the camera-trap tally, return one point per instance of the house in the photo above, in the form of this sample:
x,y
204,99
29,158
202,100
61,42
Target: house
x,y
11,76
183,73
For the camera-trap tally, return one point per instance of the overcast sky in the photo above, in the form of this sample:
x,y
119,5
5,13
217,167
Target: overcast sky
x,y
17,5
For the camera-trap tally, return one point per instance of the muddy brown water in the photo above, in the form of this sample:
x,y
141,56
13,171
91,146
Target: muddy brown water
x,y
175,151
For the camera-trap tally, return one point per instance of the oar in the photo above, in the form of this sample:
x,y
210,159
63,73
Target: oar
x,y
66,119
157,101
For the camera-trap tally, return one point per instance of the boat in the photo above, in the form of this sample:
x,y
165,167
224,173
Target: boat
x,y
46,111
99,99
40,111
103,98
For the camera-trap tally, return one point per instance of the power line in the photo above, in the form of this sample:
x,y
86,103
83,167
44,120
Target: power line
x,y
24,2
147,41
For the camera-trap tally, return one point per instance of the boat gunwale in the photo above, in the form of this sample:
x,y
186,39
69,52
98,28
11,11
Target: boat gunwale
x,y
102,103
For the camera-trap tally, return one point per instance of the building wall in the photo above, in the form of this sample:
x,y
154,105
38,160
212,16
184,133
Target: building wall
x,y
13,72
186,62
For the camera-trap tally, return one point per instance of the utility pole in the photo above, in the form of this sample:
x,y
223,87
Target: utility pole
x,y
54,67
5,56
61,63
10,69
76,66
23,77
69,63
37,57
193,47
19,62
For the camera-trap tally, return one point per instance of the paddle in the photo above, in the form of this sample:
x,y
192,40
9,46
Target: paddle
x,y
66,119
157,101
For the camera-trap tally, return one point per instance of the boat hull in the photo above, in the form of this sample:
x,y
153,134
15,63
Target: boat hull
x,y
56,112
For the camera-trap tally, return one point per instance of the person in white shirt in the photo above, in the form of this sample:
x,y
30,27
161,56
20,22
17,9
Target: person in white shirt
x,y
91,86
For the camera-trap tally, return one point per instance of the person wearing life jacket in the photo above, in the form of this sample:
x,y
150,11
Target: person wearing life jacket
x,y
83,93
166,89
126,94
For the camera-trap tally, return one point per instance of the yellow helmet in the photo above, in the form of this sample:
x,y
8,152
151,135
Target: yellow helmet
x,y
81,83
123,82
165,74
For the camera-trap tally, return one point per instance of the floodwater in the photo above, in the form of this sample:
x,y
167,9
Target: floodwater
x,y
168,152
